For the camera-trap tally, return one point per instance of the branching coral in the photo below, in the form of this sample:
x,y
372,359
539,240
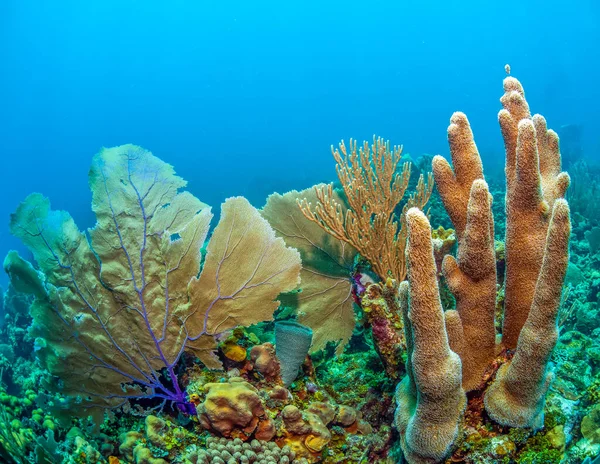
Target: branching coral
x,y
116,308
441,345
373,189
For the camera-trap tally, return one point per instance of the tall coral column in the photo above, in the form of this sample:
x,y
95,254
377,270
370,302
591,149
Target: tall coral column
x,y
449,352
533,183
430,399
472,276
517,396
537,256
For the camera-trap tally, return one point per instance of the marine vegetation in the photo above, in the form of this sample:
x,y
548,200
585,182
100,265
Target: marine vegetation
x,y
333,325
115,309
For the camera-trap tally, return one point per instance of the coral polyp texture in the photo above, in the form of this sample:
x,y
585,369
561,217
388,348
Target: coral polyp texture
x,y
459,345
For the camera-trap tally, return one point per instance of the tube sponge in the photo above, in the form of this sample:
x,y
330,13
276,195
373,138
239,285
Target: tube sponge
x,y
292,342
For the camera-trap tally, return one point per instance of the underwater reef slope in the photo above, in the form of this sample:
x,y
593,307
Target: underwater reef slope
x,y
330,326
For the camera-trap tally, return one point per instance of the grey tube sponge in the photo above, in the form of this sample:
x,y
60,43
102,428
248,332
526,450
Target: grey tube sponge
x,y
292,342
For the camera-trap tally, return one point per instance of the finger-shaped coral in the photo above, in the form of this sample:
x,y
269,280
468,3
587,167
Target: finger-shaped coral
x,y
472,280
429,411
518,394
515,109
472,276
554,182
454,186
537,241
533,184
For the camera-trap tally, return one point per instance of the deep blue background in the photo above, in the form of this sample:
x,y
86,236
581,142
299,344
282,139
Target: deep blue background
x,y
246,97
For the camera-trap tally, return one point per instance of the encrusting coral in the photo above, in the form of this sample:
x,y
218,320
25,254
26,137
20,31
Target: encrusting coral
x,y
113,314
380,302
231,405
448,352
265,361
249,402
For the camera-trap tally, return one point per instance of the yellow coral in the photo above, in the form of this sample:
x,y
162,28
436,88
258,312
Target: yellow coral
x,y
229,407
234,351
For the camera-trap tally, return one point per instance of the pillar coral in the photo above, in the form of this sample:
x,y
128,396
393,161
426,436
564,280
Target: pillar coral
x,y
430,398
533,185
472,276
430,402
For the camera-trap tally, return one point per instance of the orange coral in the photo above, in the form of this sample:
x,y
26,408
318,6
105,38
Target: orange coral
x,y
431,398
233,351
533,183
373,190
265,361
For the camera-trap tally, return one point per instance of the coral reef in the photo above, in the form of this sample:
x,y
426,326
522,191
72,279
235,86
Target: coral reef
x,y
450,352
113,312
373,190
289,334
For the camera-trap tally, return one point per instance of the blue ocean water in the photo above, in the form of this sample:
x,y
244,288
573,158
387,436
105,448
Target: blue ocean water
x,y
150,343
245,98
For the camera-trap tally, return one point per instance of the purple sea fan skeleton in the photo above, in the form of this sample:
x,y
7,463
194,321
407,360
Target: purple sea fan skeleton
x,y
116,308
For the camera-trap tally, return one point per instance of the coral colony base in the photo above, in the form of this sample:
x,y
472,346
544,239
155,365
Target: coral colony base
x,y
148,339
